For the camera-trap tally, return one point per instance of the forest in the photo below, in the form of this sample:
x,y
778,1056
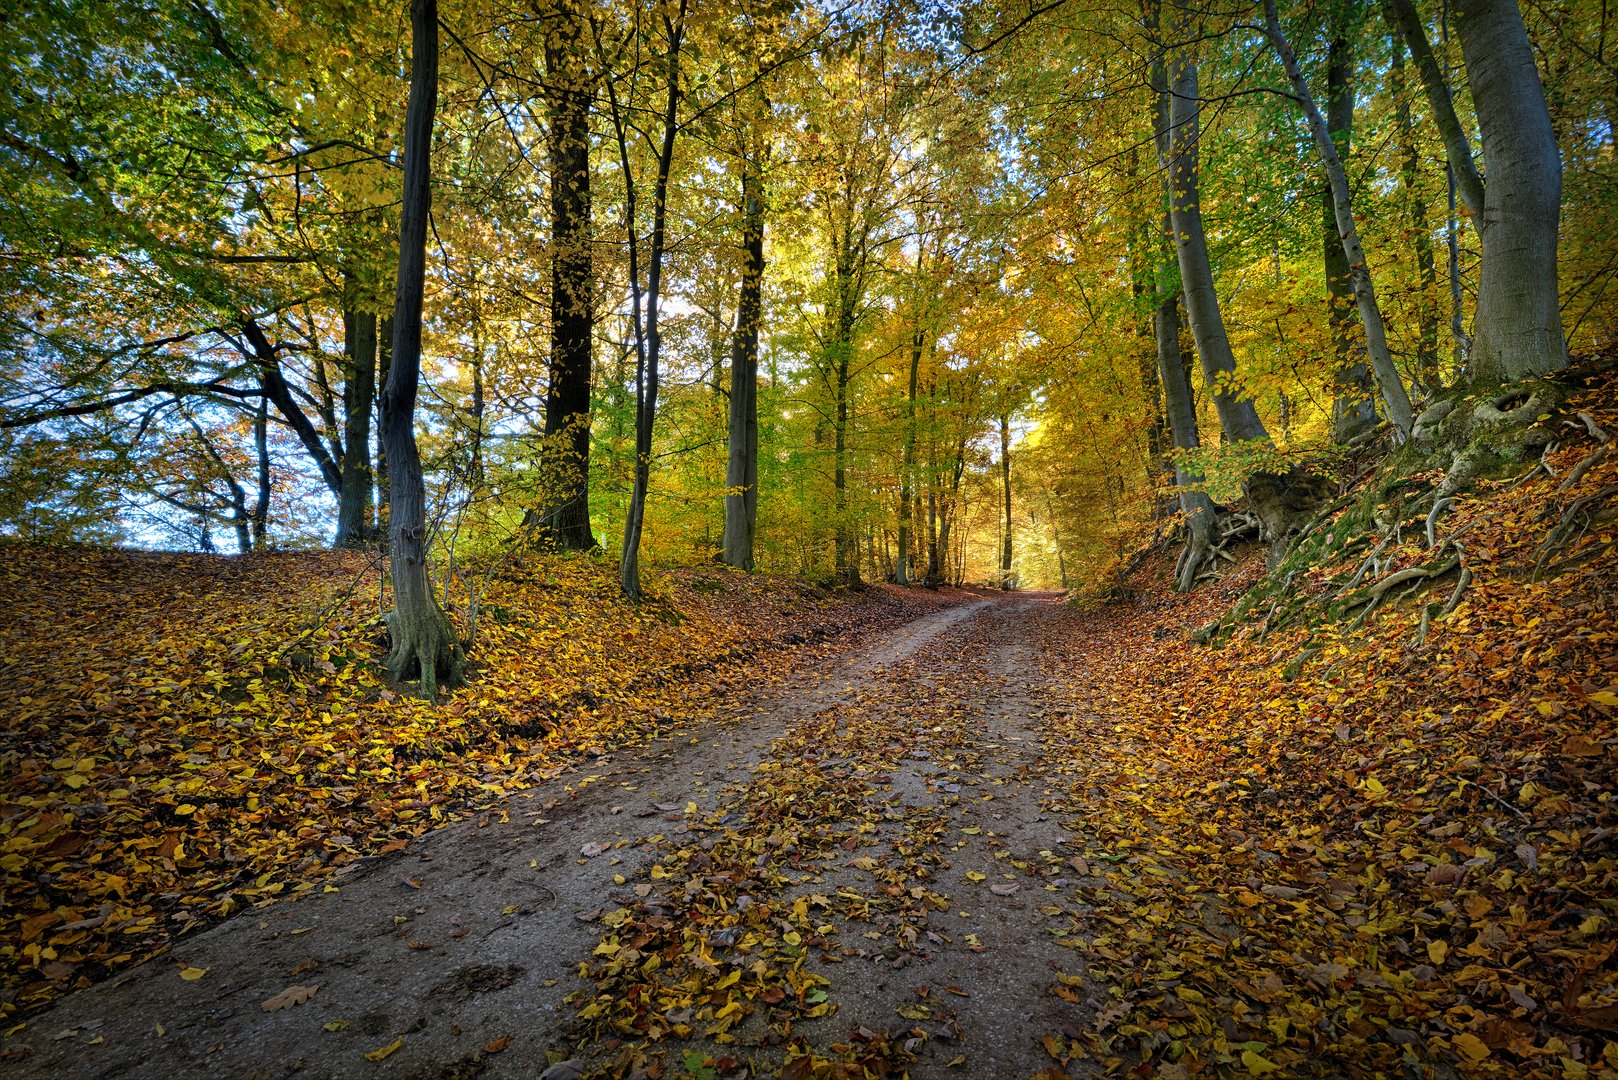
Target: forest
x,y
1126,488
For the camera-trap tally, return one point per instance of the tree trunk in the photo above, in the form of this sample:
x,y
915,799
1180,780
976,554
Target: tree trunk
x,y
384,366
934,571
1352,409
1394,396
842,345
907,465
1237,416
564,519
475,479
1519,322
359,390
1421,232
1518,327
1005,482
649,344
1179,406
261,449
424,645
1277,500
1199,510
741,472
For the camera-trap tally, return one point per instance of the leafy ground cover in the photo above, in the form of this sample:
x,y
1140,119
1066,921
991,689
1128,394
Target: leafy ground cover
x,y
191,735
1366,830
1369,845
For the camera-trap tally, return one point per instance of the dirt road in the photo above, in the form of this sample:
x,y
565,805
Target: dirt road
x,y
865,847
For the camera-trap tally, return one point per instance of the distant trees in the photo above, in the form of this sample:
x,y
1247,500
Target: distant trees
x,y
747,283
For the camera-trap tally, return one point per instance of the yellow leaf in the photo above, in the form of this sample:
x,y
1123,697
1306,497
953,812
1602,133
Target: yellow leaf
x,y
1605,697
383,1051
973,875
1258,1065
1472,1047
192,974
1437,950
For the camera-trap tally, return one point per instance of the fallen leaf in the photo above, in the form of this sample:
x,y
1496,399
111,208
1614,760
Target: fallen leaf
x,y
382,1052
292,995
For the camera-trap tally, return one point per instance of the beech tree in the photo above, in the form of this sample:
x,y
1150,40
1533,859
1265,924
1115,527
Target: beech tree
x,y
424,643
1519,321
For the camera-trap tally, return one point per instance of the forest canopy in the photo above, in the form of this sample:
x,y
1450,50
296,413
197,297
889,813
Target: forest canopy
x,y
887,290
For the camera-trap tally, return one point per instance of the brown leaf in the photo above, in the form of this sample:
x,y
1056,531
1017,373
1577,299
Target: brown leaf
x,y
292,995
494,1046
1444,874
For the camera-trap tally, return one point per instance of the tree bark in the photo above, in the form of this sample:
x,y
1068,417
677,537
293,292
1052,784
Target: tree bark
x,y
1394,396
1199,510
846,554
359,390
1421,232
384,365
424,644
1519,322
907,464
1179,406
741,471
1518,327
1352,408
1277,500
649,343
261,447
1005,482
1237,416
564,519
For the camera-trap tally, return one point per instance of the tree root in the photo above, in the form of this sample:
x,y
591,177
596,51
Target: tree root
x,y
1590,461
1280,595
1433,515
1295,667
1575,521
1593,428
1454,600
1415,576
1370,560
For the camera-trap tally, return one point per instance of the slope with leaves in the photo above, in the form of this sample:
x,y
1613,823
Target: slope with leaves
x,y
1385,846
192,735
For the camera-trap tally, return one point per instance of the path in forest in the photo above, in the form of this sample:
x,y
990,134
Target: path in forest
x,y
940,887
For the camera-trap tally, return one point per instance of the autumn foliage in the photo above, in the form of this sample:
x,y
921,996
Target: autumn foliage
x,y
1392,854
182,746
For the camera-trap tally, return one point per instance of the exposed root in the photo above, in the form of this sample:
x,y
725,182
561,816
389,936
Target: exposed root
x,y
1454,600
1575,521
1590,461
1432,520
1593,428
